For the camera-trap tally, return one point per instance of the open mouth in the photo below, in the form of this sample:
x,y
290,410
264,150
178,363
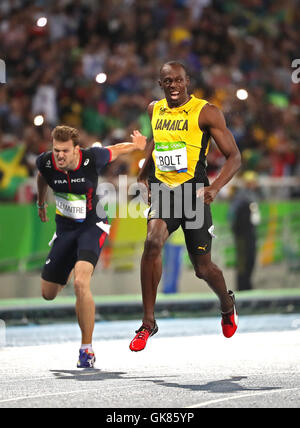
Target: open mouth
x,y
174,94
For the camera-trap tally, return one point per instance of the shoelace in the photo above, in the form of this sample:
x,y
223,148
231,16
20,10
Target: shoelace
x,y
226,318
142,332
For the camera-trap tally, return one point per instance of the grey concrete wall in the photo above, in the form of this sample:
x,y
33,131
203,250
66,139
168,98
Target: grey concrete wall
x,y
110,282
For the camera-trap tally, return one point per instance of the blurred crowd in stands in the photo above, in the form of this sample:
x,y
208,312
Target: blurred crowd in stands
x,y
51,69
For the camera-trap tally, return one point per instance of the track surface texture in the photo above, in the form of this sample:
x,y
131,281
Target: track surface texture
x,y
188,364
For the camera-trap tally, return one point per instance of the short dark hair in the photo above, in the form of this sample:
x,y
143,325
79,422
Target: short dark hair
x,y
176,63
65,133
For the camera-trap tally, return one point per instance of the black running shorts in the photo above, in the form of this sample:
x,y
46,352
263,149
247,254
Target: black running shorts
x,y
180,207
73,242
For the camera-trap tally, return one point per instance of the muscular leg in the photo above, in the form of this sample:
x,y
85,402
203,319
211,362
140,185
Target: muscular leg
x,y
205,269
85,306
151,266
50,289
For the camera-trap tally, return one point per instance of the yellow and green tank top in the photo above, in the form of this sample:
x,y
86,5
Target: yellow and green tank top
x,y
181,146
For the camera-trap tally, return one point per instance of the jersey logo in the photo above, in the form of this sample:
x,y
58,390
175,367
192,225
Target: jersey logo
x,y
73,180
86,162
48,164
162,110
202,248
172,125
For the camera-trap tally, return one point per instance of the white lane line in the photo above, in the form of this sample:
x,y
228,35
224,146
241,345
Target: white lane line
x,y
77,391
30,397
239,396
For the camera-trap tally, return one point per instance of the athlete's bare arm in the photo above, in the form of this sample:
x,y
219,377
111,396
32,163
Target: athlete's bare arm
x,y
42,187
212,120
144,172
138,143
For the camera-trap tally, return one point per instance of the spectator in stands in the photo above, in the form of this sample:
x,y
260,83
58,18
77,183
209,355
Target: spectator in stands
x,y
228,45
244,216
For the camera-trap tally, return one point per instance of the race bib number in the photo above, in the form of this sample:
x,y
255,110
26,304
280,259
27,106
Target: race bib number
x,y
71,206
171,156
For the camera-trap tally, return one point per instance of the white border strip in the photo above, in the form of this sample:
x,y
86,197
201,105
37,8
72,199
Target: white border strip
x,y
239,396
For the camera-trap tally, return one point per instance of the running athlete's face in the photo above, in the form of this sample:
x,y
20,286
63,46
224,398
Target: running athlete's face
x,y
65,154
174,82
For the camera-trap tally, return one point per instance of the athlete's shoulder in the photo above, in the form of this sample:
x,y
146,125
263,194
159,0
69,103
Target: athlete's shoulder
x,y
96,151
152,104
86,157
86,152
210,115
150,108
44,160
156,104
199,102
101,156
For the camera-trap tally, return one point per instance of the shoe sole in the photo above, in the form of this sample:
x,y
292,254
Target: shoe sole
x,y
87,367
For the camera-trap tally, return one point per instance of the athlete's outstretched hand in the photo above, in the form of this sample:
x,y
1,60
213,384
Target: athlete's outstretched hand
x,y
138,140
43,214
208,194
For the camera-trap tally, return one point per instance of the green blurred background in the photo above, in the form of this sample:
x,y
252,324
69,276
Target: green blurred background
x,y
94,65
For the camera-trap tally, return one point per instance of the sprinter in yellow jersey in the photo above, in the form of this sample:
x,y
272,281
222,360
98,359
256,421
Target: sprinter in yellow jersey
x,y
182,127
180,145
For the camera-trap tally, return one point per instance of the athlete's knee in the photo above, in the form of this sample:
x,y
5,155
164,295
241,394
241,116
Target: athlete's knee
x,y
153,245
48,296
207,271
201,272
81,286
82,277
49,290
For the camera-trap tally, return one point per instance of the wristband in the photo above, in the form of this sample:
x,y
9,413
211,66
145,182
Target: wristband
x,y
40,207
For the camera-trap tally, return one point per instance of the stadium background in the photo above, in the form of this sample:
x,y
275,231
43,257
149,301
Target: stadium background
x,y
94,65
